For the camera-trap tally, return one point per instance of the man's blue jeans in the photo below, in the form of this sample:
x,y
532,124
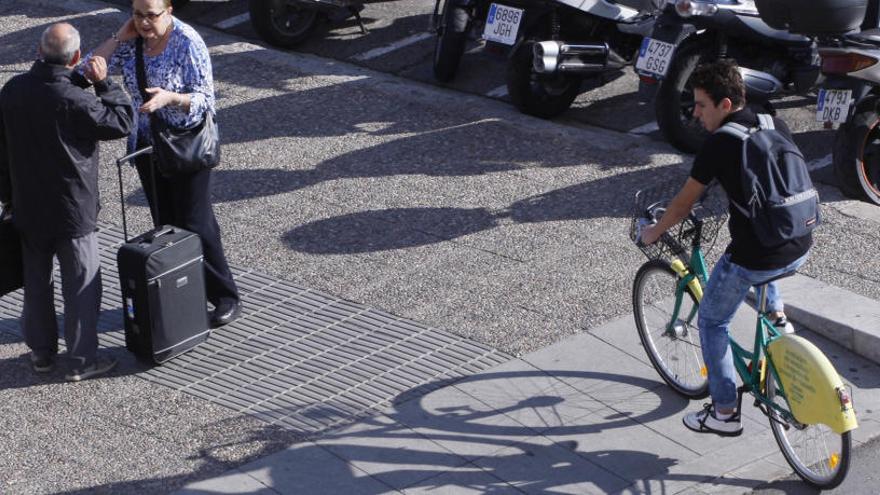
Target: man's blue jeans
x,y
727,289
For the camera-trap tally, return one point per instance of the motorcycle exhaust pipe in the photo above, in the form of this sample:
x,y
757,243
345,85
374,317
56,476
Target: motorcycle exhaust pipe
x,y
552,56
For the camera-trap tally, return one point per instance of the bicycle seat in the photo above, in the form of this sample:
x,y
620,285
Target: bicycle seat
x,y
778,277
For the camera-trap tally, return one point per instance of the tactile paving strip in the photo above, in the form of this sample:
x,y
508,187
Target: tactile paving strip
x,y
298,358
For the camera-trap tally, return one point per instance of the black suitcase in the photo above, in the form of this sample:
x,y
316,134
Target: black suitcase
x,y
161,274
10,256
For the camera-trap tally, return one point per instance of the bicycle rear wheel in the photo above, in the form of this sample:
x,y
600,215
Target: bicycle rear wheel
x,y
675,352
817,454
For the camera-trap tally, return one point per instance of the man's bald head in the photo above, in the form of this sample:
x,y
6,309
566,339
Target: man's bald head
x,y
60,44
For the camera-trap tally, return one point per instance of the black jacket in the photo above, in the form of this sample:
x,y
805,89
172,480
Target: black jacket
x,y
50,126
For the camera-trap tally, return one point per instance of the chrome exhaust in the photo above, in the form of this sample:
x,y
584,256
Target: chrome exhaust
x,y
553,56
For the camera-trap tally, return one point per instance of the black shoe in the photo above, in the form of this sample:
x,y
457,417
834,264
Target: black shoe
x,y
101,366
42,364
225,313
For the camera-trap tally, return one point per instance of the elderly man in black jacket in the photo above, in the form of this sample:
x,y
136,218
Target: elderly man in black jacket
x,y
50,125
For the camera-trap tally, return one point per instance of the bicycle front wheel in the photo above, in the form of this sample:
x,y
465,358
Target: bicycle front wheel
x,y
816,453
670,337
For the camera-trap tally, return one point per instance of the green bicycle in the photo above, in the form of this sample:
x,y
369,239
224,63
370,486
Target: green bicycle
x,y
793,383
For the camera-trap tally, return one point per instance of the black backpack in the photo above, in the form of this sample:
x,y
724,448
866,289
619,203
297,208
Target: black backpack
x,y
781,202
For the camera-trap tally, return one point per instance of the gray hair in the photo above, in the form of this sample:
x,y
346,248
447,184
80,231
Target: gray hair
x,y
59,44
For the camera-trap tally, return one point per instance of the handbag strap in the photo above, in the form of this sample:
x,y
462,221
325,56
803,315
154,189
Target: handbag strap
x,y
141,74
139,69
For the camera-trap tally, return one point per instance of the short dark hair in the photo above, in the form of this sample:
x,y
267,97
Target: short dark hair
x,y
721,79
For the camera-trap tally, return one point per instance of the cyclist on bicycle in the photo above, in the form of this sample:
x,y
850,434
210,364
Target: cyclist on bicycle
x,y
719,95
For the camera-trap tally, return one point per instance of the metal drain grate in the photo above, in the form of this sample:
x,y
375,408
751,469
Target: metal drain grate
x,y
298,358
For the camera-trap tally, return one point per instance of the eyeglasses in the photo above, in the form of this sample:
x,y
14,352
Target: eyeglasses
x,y
149,16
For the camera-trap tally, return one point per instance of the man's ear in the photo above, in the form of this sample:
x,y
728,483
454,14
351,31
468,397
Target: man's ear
x,y
726,105
75,59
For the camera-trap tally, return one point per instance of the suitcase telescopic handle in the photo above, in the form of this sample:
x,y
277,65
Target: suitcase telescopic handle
x,y
159,233
119,163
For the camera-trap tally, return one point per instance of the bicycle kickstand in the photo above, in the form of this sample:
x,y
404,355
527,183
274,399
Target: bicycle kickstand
x,y
739,399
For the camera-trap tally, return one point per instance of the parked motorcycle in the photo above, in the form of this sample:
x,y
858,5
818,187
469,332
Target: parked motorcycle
x,y
287,23
849,44
554,45
773,62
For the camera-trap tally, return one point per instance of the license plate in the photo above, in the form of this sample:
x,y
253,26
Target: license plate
x,y
502,24
833,105
654,57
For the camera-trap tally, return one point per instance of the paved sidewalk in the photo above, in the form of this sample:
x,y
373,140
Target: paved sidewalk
x,y
586,415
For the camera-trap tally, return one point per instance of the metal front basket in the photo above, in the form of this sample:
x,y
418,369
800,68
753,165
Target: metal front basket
x,y
710,211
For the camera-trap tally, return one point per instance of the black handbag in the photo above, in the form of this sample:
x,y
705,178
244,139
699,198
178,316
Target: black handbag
x,y
10,257
179,151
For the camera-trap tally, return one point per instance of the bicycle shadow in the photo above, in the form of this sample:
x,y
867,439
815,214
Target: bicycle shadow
x,y
452,440
449,442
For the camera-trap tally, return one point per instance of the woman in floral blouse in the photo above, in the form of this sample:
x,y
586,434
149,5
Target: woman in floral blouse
x,y
180,90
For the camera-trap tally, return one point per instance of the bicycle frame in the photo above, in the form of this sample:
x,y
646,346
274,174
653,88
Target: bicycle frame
x,y
752,366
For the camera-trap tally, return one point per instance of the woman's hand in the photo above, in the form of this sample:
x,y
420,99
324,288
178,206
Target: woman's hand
x,y
127,31
159,98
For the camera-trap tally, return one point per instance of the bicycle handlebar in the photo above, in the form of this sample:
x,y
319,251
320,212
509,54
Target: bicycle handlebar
x,y
654,212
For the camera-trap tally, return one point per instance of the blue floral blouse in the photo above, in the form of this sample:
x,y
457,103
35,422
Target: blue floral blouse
x,y
183,67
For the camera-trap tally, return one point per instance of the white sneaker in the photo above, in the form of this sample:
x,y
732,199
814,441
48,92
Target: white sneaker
x,y
783,325
705,422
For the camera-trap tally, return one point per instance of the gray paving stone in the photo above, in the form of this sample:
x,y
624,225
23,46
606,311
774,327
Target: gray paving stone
x,y
390,452
310,468
539,465
595,368
621,445
233,481
462,480
461,423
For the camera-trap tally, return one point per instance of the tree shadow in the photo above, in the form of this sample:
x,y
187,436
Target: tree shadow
x,y
20,46
471,149
400,228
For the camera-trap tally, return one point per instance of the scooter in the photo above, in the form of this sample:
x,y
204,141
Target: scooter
x,y
849,46
287,23
553,45
773,62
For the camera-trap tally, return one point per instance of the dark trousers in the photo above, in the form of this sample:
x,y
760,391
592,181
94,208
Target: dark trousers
x,y
185,202
80,287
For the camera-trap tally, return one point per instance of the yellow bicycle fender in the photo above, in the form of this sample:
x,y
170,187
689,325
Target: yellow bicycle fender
x,y
814,389
694,285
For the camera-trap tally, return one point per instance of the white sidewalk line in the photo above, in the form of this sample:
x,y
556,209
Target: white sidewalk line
x,y
382,50
499,92
818,163
233,21
645,128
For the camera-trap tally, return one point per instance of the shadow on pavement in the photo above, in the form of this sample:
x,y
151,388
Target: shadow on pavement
x,y
414,445
398,228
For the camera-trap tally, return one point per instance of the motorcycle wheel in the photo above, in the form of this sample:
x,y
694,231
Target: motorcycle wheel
x,y
451,40
674,104
857,153
540,95
281,23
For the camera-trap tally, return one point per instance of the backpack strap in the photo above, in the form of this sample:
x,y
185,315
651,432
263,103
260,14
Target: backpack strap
x,y
738,131
765,122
